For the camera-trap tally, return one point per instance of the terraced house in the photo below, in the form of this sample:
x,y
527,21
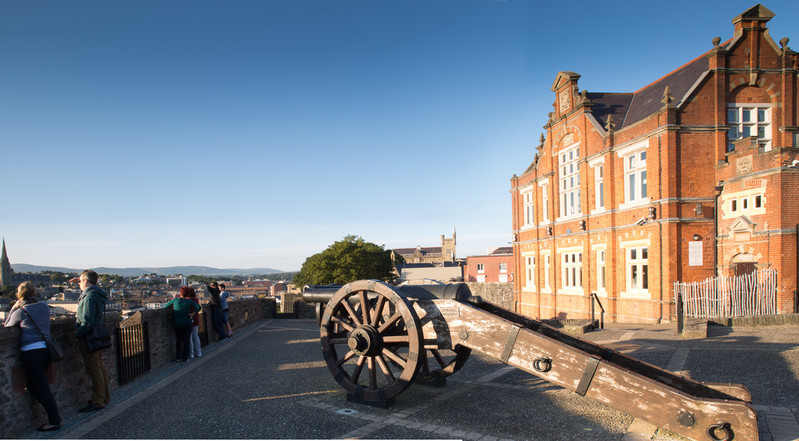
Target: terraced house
x,y
694,176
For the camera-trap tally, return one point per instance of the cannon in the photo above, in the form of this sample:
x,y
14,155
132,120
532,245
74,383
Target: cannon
x,y
378,339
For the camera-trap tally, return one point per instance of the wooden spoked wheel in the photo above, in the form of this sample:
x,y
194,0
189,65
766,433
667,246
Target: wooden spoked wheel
x,y
443,362
371,340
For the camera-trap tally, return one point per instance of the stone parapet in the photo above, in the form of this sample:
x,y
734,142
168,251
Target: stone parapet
x,y
71,386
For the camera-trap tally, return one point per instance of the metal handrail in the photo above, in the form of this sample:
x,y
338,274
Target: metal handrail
x,y
602,314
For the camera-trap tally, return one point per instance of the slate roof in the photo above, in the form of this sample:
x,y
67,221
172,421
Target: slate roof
x,y
629,108
424,250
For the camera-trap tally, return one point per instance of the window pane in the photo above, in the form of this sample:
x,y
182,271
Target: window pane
x,y
761,132
645,277
746,115
732,115
634,277
644,253
733,133
633,254
601,196
643,184
746,131
758,201
632,187
643,159
734,205
761,115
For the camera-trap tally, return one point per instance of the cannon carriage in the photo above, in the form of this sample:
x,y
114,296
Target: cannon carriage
x,y
378,339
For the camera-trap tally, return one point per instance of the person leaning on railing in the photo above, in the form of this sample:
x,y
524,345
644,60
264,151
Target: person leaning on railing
x,y
91,308
33,317
183,316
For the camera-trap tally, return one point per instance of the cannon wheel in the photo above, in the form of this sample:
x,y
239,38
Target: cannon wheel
x,y
443,362
372,348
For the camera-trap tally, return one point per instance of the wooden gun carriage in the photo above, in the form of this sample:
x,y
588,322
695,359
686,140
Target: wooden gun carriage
x,y
377,339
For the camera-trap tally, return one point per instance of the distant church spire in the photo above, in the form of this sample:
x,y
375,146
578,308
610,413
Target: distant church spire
x,y
6,273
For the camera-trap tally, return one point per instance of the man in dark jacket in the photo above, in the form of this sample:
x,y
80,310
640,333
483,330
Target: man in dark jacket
x,y
91,308
216,311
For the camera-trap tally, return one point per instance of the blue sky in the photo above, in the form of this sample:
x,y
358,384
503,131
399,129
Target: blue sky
x,y
256,133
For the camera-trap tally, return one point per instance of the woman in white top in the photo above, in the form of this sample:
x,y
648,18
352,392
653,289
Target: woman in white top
x,y
29,314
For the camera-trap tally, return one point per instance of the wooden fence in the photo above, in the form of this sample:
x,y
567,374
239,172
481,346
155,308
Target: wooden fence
x,y
735,296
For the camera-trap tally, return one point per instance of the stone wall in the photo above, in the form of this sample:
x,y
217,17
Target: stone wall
x,y
71,386
500,294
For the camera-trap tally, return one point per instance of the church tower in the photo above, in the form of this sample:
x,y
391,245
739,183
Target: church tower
x,y
6,273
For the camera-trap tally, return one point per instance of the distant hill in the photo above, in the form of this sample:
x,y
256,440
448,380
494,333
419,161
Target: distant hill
x,y
163,271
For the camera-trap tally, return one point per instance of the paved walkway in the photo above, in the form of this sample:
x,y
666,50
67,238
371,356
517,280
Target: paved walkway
x,y
270,382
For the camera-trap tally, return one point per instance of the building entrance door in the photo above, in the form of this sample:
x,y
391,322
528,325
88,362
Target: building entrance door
x,y
744,268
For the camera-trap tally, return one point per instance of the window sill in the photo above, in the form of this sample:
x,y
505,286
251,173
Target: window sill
x,y
643,295
634,204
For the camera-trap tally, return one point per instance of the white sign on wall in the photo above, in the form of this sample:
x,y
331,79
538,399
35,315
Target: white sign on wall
x,y
695,253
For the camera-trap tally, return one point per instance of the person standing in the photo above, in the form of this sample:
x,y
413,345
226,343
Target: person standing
x,y
223,298
33,317
216,311
91,309
195,348
184,311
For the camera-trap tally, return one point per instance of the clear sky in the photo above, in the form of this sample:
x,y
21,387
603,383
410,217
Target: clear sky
x,y
255,133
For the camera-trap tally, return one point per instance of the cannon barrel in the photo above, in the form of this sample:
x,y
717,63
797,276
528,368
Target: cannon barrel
x,y
319,293
450,291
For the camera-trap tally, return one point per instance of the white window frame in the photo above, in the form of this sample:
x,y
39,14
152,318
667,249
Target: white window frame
x,y
529,272
569,180
599,187
544,200
750,202
635,177
527,195
601,271
749,119
636,263
571,271
503,267
546,258
481,268
529,209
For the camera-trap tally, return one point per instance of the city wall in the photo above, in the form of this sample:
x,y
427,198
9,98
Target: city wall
x,y
500,294
19,412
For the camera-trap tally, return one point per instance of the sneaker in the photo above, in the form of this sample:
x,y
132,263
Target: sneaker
x,y
224,339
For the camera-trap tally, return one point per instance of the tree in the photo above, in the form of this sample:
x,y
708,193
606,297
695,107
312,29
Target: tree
x,y
346,261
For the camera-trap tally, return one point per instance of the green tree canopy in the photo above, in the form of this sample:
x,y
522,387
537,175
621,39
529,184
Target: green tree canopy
x,y
346,261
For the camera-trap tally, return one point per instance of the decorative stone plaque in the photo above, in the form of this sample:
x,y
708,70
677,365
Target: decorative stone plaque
x,y
564,100
695,253
743,165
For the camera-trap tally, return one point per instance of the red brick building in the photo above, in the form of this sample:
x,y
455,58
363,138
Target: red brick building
x,y
693,176
497,266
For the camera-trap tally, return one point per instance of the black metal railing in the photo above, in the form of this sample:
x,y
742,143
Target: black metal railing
x,y
595,301
133,352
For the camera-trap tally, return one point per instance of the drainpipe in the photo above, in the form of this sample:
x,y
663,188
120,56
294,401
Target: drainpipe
x,y
719,189
796,291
